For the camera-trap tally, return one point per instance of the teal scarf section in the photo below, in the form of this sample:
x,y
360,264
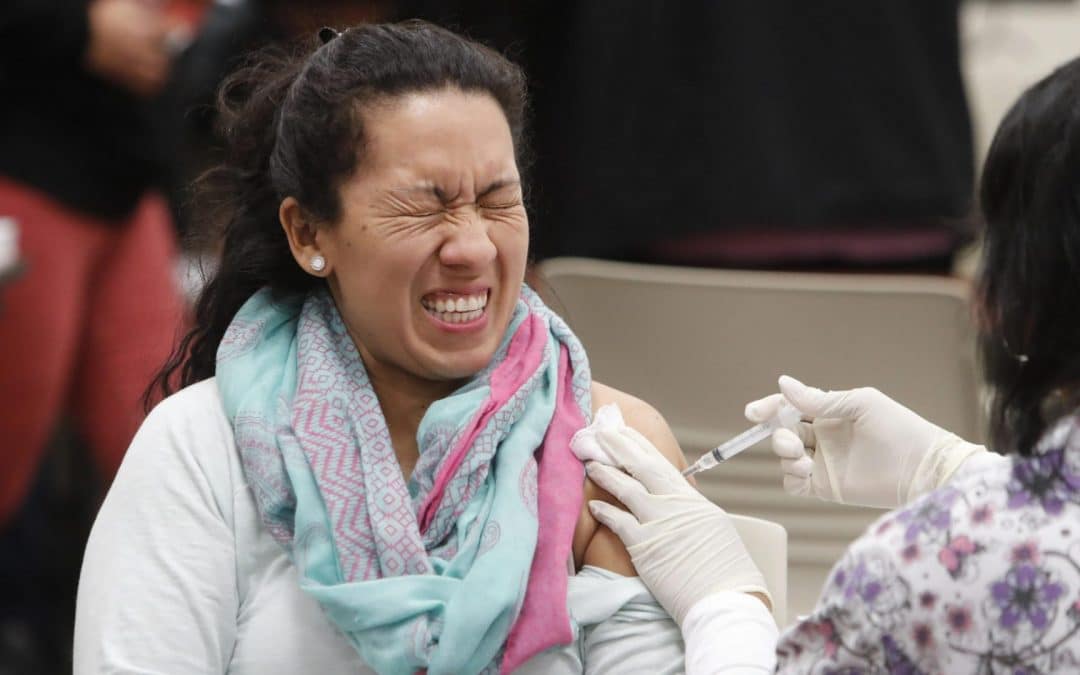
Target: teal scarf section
x,y
450,571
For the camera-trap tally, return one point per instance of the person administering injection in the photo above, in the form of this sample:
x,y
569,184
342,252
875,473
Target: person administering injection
x,y
978,568
856,447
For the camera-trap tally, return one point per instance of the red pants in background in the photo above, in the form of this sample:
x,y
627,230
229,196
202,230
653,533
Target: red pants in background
x,y
83,330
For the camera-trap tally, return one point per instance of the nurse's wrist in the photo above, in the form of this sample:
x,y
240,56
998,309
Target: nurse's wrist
x,y
731,604
763,597
947,454
743,593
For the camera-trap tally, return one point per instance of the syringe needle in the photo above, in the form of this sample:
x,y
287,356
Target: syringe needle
x,y
786,417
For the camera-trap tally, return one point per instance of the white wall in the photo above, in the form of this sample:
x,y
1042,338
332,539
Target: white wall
x,y
1007,47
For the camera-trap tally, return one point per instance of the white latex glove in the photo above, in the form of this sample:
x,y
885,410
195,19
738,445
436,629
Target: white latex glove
x,y
859,446
683,546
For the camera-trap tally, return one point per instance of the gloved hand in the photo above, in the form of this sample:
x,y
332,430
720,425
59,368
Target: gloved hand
x,y
683,546
860,446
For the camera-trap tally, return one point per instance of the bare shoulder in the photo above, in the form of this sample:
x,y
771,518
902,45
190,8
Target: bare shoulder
x,y
643,417
594,544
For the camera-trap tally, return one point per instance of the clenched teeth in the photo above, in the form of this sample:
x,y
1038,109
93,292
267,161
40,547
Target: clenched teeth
x,y
456,309
458,317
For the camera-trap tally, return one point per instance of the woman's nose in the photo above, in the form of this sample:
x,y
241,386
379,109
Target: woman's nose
x,y
469,245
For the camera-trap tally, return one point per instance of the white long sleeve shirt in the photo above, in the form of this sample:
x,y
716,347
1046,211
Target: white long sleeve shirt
x,y
181,577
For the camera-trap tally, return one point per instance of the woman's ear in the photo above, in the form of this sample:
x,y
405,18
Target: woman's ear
x,y
302,233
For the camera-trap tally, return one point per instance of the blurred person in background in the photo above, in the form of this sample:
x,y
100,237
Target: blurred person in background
x,y
183,114
781,134
96,309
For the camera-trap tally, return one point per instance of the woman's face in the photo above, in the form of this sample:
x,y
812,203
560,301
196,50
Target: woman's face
x,y
428,259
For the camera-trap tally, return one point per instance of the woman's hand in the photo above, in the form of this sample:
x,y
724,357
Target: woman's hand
x,y
860,446
683,546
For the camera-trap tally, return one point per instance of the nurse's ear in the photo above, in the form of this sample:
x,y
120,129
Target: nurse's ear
x,y
306,238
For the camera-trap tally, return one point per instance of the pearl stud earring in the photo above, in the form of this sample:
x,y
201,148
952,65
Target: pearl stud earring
x,y
318,263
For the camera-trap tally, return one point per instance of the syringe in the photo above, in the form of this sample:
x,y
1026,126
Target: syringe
x,y
786,417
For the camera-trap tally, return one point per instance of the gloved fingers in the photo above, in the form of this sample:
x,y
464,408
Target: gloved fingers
x,y
636,455
621,447
814,402
800,468
795,486
787,444
622,487
652,468
586,448
641,449
623,524
584,444
805,432
762,409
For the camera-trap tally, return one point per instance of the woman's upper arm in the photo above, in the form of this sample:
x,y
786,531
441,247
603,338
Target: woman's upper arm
x,y
644,418
157,592
594,544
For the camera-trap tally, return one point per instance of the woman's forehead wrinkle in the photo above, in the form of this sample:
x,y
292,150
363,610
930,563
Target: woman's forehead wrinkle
x,y
426,189
399,199
496,185
448,196
450,189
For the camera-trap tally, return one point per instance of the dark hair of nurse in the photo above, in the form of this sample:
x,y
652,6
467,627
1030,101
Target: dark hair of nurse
x,y
1030,278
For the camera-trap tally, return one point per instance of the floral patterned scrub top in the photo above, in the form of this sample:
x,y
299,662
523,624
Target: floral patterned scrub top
x,y
981,576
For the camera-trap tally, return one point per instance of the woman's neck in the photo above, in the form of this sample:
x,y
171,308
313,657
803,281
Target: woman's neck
x,y
404,399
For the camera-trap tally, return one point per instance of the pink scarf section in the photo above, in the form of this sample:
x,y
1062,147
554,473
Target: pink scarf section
x,y
544,619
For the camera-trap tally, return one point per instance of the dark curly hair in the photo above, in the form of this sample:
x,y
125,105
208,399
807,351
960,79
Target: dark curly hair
x,y
1029,283
291,125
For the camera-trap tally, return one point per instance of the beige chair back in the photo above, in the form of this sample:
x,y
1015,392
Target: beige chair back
x,y
766,542
699,344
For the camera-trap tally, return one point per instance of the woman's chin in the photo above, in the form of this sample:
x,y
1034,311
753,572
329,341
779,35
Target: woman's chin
x,y
456,364
460,355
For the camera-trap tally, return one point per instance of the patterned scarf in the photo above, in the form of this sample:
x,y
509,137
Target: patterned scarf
x,y
464,566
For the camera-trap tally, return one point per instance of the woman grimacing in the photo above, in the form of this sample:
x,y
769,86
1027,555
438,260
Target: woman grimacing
x,y
978,568
368,467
